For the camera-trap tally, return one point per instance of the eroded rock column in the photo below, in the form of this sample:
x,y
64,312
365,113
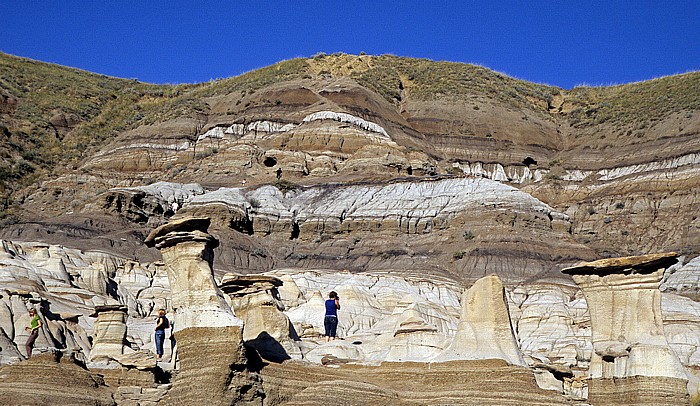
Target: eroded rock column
x,y
188,253
110,332
255,299
209,336
632,362
484,330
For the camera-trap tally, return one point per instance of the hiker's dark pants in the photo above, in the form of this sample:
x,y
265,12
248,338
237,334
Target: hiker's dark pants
x,y
30,342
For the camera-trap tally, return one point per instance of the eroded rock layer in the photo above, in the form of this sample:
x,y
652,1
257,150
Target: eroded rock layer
x,y
487,382
638,391
213,369
52,378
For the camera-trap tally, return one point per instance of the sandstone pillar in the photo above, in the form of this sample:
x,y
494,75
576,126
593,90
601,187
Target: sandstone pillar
x,y
209,336
255,299
109,332
188,253
632,362
484,330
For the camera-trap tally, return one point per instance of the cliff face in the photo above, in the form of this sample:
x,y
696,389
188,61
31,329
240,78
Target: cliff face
x,y
392,317
620,162
398,181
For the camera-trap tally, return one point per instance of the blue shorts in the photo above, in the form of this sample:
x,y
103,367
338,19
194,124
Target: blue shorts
x,y
331,325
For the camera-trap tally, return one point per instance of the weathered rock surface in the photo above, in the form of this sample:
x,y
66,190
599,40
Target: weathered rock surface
x,y
638,390
407,383
418,177
209,337
484,329
627,330
626,322
52,378
188,254
110,332
385,316
382,226
683,279
255,300
213,369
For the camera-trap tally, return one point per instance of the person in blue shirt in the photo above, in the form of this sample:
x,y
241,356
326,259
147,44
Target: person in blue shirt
x,y
330,322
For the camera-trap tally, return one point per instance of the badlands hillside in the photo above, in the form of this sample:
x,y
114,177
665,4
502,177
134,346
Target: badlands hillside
x,y
400,183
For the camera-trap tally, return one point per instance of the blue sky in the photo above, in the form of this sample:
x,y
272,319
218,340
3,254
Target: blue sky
x,y
562,43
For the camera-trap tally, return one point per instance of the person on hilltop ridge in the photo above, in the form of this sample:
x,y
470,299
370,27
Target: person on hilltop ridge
x,y
161,324
330,322
33,328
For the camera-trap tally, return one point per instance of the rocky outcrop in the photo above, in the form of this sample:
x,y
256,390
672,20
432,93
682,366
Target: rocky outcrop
x,y
484,329
486,382
638,390
209,336
347,118
188,254
383,317
517,174
255,299
683,279
213,369
146,203
386,315
627,329
52,378
380,226
110,332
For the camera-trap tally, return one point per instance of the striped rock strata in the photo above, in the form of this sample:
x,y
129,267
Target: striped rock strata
x,y
382,226
414,314
627,332
209,336
486,382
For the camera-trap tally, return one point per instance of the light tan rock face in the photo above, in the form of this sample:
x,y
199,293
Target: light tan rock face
x,y
627,329
626,322
638,391
110,332
484,330
188,255
209,336
385,315
255,300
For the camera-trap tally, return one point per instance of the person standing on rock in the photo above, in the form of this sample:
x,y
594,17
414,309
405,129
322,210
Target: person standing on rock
x,y
161,324
330,322
33,329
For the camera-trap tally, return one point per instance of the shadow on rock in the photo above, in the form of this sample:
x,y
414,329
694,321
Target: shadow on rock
x,y
268,348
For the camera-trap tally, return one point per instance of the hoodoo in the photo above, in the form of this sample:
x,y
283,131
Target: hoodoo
x,y
631,361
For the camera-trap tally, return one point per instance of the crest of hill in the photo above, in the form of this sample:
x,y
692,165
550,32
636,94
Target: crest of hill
x,y
51,116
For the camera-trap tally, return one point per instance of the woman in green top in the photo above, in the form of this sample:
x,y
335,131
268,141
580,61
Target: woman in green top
x,y
33,328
